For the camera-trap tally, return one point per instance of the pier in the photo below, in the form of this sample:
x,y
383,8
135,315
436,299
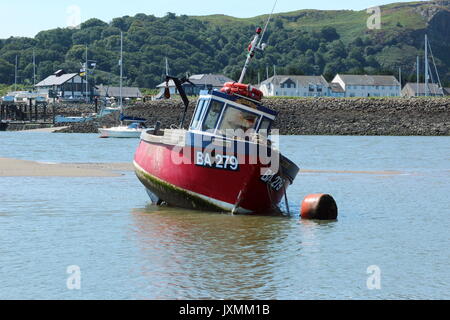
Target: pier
x,y
26,116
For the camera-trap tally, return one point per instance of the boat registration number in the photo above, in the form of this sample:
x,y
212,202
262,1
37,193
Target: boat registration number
x,y
273,180
217,161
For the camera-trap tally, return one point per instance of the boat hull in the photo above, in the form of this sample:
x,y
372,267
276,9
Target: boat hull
x,y
119,133
203,187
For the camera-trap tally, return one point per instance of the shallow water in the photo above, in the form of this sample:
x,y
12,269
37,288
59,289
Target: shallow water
x,y
127,249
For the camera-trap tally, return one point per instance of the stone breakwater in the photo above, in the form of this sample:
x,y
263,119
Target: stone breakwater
x,y
321,116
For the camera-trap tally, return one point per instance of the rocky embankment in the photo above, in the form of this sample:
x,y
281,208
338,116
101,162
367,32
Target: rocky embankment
x,y
321,116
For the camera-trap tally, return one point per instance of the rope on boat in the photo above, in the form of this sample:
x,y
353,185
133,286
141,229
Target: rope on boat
x,y
286,200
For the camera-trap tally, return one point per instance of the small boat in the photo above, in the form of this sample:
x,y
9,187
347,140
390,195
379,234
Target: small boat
x,y
63,119
224,161
137,126
133,130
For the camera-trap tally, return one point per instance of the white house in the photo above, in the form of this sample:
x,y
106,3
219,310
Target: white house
x,y
368,86
65,85
414,90
115,92
295,86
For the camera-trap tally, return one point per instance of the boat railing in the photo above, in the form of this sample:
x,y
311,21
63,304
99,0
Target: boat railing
x,y
167,136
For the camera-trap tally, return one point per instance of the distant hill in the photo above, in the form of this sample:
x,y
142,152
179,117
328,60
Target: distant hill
x,y
300,42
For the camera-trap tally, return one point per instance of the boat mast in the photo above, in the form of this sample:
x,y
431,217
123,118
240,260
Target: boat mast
x,y
167,67
86,71
435,69
418,75
426,66
251,54
34,69
256,45
121,68
15,76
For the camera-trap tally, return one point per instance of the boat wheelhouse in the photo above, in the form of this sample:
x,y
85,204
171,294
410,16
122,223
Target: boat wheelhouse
x,y
218,112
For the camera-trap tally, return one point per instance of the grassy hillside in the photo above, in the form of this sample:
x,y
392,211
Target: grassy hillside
x,y
300,42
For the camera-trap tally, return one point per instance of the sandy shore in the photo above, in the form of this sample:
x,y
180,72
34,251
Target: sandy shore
x,y
22,168
45,130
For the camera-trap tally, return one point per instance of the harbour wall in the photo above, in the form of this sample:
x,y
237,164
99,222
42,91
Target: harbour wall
x,y
319,116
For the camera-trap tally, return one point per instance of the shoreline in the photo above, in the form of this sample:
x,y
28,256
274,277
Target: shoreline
x,y
25,168
314,116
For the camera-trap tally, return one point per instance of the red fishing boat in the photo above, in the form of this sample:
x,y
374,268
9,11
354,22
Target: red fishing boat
x,y
225,160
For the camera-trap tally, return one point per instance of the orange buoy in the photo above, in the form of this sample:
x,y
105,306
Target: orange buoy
x,y
319,207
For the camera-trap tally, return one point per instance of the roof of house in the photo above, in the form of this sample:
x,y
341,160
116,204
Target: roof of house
x,y
301,80
127,92
55,80
433,88
215,80
368,80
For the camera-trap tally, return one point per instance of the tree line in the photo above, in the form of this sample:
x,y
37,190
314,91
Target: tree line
x,y
194,46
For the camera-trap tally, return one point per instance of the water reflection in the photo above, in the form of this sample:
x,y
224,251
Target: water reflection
x,y
201,255
195,255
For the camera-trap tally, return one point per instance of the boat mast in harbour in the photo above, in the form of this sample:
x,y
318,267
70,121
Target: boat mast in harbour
x,y
121,69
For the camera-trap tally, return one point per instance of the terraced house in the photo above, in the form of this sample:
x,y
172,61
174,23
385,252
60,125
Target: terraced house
x,y
296,86
368,86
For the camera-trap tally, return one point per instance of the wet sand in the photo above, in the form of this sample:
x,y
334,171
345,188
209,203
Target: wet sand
x,y
23,168
45,130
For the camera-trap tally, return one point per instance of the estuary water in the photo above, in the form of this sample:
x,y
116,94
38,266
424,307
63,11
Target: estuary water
x,y
394,217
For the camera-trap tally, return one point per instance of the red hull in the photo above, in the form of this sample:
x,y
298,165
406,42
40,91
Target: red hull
x,y
199,187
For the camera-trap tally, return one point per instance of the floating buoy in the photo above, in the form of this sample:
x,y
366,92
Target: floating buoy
x,y
319,207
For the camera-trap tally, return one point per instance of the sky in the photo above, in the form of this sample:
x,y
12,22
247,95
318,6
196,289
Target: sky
x,y
28,17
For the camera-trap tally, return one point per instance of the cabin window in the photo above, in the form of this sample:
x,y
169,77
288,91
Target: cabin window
x,y
236,119
198,114
213,115
265,125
